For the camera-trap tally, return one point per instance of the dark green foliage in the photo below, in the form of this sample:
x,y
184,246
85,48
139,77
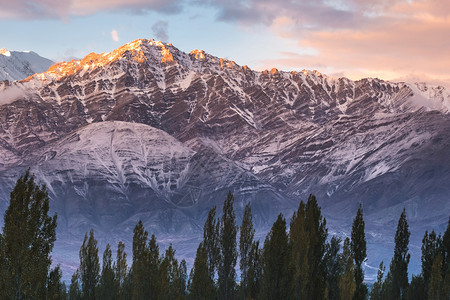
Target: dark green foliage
x,y
201,286
153,269
254,271
400,261
211,241
56,289
140,262
120,270
228,250
347,283
446,252
307,240
431,247
436,289
107,287
376,294
168,276
416,289
74,288
28,237
181,280
247,234
359,253
274,282
332,259
89,266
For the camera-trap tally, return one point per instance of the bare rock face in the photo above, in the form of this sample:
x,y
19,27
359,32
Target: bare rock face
x,y
149,132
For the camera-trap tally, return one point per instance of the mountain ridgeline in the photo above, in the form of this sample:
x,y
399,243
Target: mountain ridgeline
x,y
148,132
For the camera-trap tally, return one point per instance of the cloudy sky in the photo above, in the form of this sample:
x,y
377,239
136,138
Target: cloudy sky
x,y
389,39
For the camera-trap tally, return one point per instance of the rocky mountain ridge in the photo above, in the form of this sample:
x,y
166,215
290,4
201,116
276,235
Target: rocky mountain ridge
x,y
15,65
150,132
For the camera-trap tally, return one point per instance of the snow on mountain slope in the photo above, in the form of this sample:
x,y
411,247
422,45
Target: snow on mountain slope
x,y
150,132
16,65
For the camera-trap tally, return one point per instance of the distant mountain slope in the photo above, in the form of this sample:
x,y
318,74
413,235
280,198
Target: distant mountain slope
x,y
16,65
150,132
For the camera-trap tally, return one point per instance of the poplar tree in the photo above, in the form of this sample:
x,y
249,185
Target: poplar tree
x,y
56,289
107,286
89,266
168,275
29,234
140,262
400,261
431,247
201,286
307,240
74,288
152,269
375,294
247,234
274,282
347,284
227,242
333,263
120,269
211,231
359,253
254,271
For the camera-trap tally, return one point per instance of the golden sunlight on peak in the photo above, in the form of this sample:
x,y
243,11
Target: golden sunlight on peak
x,y
198,54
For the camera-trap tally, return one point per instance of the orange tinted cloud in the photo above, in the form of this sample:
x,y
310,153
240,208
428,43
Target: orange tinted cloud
x,y
405,39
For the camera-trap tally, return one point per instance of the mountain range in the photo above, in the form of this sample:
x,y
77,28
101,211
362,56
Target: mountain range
x,y
148,132
15,65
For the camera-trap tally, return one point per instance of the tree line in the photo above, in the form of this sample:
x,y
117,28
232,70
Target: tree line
x,y
299,263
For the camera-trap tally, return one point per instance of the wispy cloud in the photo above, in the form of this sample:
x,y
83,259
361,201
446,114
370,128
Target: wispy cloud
x,y
63,9
114,35
356,36
161,31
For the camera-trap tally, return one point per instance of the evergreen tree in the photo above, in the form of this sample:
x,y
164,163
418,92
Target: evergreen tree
x,y
227,242
28,237
375,294
211,241
201,286
400,261
359,253
120,269
274,282
140,262
107,287
333,264
74,288
247,234
347,283
89,266
56,289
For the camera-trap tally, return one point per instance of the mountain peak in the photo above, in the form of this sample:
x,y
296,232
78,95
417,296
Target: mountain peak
x,y
5,52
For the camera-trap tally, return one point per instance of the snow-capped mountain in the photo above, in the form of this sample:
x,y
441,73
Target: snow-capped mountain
x,y
150,132
15,65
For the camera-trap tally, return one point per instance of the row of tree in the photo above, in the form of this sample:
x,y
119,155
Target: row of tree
x,y
299,263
